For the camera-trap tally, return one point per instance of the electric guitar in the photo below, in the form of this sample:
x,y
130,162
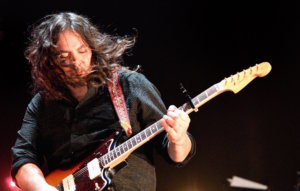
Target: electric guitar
x,y
92,173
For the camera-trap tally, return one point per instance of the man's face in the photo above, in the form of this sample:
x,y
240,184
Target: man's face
x,y
75,55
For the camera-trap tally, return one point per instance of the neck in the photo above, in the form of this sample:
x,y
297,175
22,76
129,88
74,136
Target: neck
x,y
78,92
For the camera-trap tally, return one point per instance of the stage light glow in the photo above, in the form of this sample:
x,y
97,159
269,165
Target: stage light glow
x,y
11,184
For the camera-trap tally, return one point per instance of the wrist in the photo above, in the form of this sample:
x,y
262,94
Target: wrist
x,y
181,142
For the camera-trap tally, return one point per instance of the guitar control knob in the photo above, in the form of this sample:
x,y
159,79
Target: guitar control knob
x,y
97,188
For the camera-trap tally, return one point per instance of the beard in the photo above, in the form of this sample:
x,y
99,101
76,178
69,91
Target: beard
x,y
75,81
92,78
73,78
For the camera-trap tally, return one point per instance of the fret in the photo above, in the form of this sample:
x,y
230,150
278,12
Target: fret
x,y
130,144
155,124
158,125
125,147
218,86
150,129
202,97
107,158
206,94
186,106
105,161
114,153
197,100
122,149
153,128
118,151
101,162
111,157
211,91
143,135
133,141
148,132
138,137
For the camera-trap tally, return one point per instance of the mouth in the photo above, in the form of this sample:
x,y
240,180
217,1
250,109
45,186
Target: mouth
x,y
82,73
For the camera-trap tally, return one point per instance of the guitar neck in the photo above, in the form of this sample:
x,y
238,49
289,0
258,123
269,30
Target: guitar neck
x,y
234,83
150,132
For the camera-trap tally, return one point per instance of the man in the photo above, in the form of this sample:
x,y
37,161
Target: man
x,y
72,112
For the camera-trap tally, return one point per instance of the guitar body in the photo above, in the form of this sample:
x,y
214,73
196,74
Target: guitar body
x,y
81,179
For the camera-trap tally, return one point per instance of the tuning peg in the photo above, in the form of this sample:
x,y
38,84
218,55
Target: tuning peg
x,y
231,78
225,81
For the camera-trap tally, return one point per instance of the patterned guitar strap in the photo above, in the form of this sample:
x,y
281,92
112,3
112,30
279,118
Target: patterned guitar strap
x,y
118,100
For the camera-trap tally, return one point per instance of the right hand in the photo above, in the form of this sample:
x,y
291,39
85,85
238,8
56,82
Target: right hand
x,y
31,178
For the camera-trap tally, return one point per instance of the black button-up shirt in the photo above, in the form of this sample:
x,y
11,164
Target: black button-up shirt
x,y
58,134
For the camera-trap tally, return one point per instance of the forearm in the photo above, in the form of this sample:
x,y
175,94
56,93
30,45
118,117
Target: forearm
x,y
31,178
179,151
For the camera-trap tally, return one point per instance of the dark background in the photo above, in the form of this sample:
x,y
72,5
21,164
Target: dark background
x,y
253,134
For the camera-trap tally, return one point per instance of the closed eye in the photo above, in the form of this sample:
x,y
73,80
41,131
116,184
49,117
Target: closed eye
x,y
82,50
64,55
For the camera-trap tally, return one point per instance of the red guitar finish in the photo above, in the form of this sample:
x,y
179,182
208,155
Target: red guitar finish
x,y
79,171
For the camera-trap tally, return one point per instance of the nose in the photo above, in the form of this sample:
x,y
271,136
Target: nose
x,y
79,64
76,61
74,57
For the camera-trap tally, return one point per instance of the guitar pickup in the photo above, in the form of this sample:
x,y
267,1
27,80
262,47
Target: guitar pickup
x,y
94,168
69,183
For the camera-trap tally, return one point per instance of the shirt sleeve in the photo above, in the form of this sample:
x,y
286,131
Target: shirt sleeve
x,y
187,159
149,109
25,149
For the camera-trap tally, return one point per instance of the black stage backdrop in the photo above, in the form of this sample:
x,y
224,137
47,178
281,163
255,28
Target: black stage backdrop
x,y
253,134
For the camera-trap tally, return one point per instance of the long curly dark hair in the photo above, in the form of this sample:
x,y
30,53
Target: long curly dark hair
x,y
48,77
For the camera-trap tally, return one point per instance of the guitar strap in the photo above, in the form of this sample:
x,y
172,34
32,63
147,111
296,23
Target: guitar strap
x,y
118,100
